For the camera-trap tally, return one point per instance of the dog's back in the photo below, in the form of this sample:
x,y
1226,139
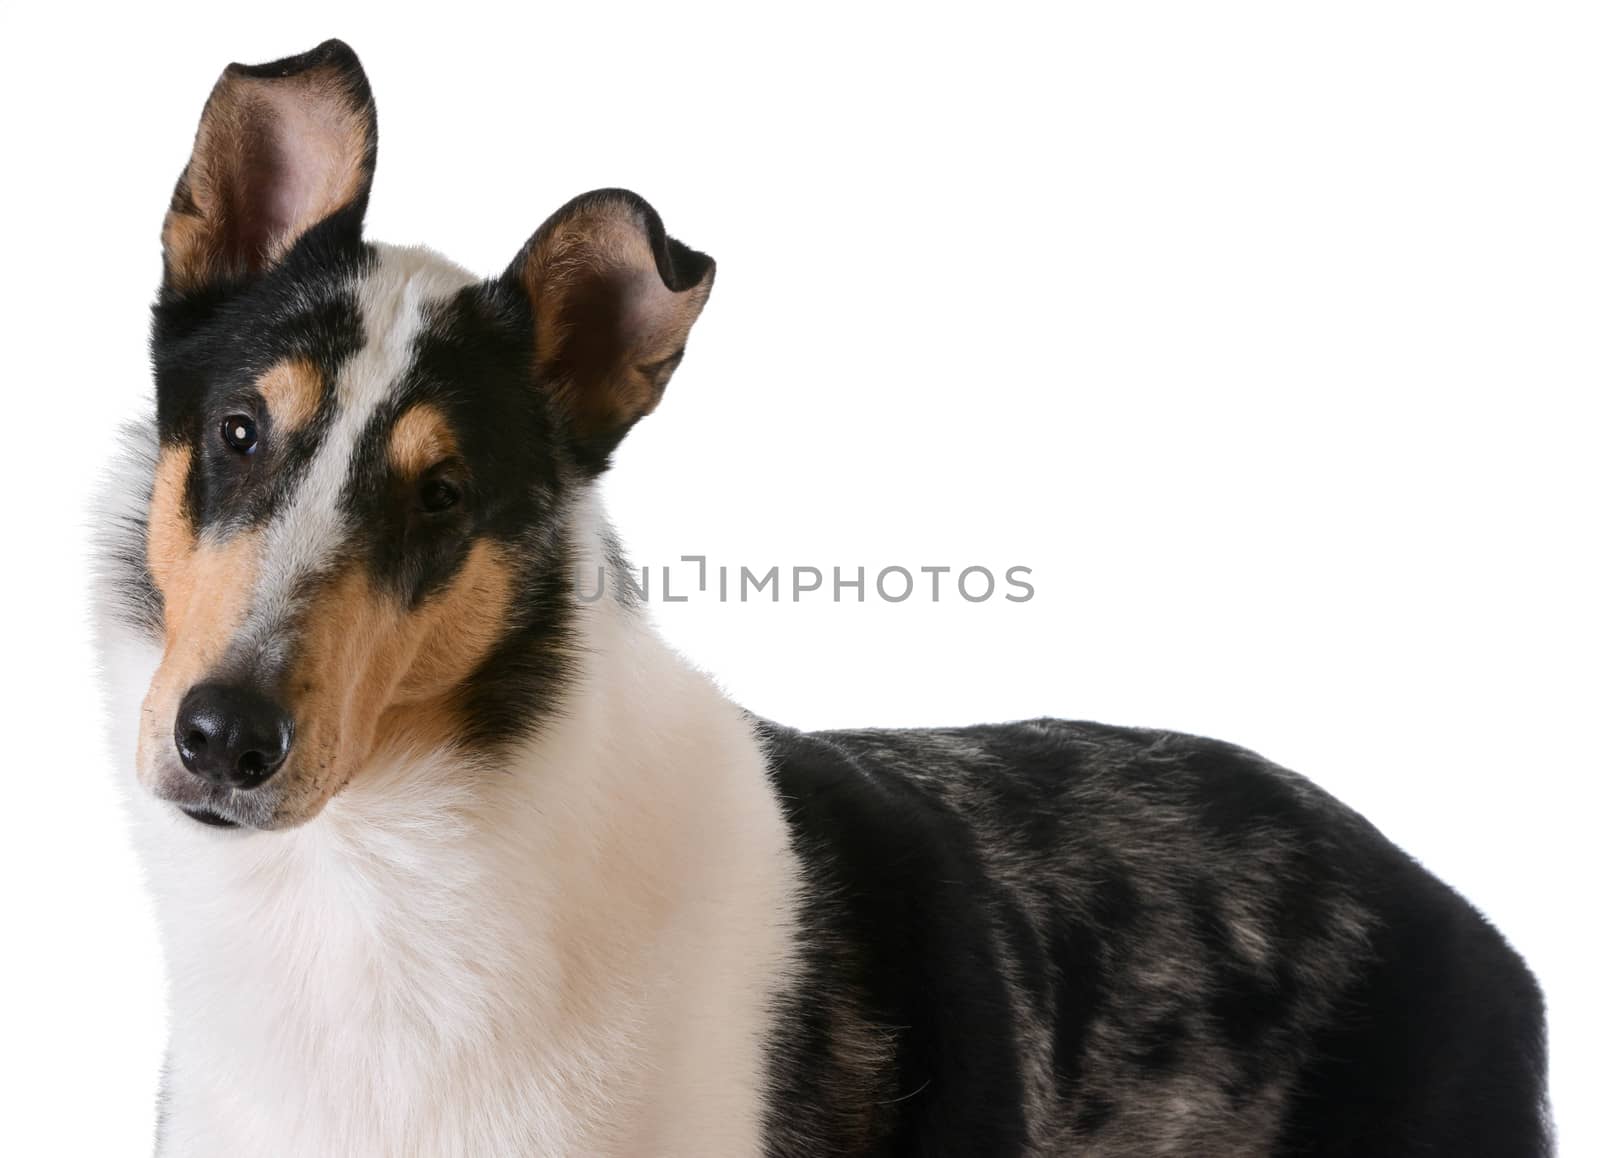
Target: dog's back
x,y
1053,938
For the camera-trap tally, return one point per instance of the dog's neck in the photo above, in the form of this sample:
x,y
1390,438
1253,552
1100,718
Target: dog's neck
x,y
537,925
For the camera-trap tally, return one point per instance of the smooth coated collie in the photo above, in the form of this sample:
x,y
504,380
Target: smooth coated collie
x,y
450,861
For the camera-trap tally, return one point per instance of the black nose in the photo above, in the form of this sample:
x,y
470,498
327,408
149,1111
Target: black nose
x,y
231,735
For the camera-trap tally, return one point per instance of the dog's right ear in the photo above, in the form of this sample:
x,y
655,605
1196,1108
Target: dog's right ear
x,y
282,148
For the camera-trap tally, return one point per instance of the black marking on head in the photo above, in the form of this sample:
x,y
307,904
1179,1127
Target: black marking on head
x,y
519,484
470,365
208,363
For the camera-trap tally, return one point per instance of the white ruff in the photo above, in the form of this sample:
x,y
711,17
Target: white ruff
x,y
572,956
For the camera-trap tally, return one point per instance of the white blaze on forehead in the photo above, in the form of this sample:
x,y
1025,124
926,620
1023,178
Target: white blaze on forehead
x,y
307,533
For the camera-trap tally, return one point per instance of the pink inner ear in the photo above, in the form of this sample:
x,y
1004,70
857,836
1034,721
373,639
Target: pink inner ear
x,y
610,330
316,146
276,153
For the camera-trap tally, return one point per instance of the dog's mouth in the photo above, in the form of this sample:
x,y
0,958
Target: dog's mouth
x,y
219,808
206,816
212,806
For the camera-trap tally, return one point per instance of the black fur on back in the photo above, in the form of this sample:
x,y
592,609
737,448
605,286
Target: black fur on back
x,y
1054,938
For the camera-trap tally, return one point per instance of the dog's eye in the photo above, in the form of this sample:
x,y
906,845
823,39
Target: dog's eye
x,y
437,495
239,432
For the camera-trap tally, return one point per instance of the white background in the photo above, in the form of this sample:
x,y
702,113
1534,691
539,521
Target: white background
x,y
1265,334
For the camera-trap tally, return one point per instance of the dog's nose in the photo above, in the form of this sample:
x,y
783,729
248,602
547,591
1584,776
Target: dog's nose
x,y
231,735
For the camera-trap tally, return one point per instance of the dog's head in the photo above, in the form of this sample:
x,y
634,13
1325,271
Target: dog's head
x,y
358,532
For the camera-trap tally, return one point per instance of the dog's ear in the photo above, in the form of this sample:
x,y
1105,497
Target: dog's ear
x,y
613,298
282,148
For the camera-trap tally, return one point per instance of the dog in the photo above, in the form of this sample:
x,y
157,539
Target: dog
x,y
449,861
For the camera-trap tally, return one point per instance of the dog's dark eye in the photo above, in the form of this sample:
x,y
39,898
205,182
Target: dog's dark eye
x,y
239,432
437,495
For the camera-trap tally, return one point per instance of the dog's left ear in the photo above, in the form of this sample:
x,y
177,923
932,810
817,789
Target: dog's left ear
x,y
613,299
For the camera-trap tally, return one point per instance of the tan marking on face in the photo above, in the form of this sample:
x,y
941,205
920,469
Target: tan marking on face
x,y
370,674
292,391
205,591
420,439
373,675
169,538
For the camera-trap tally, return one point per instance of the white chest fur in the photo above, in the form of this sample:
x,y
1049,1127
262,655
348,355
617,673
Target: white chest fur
x,y
572,955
